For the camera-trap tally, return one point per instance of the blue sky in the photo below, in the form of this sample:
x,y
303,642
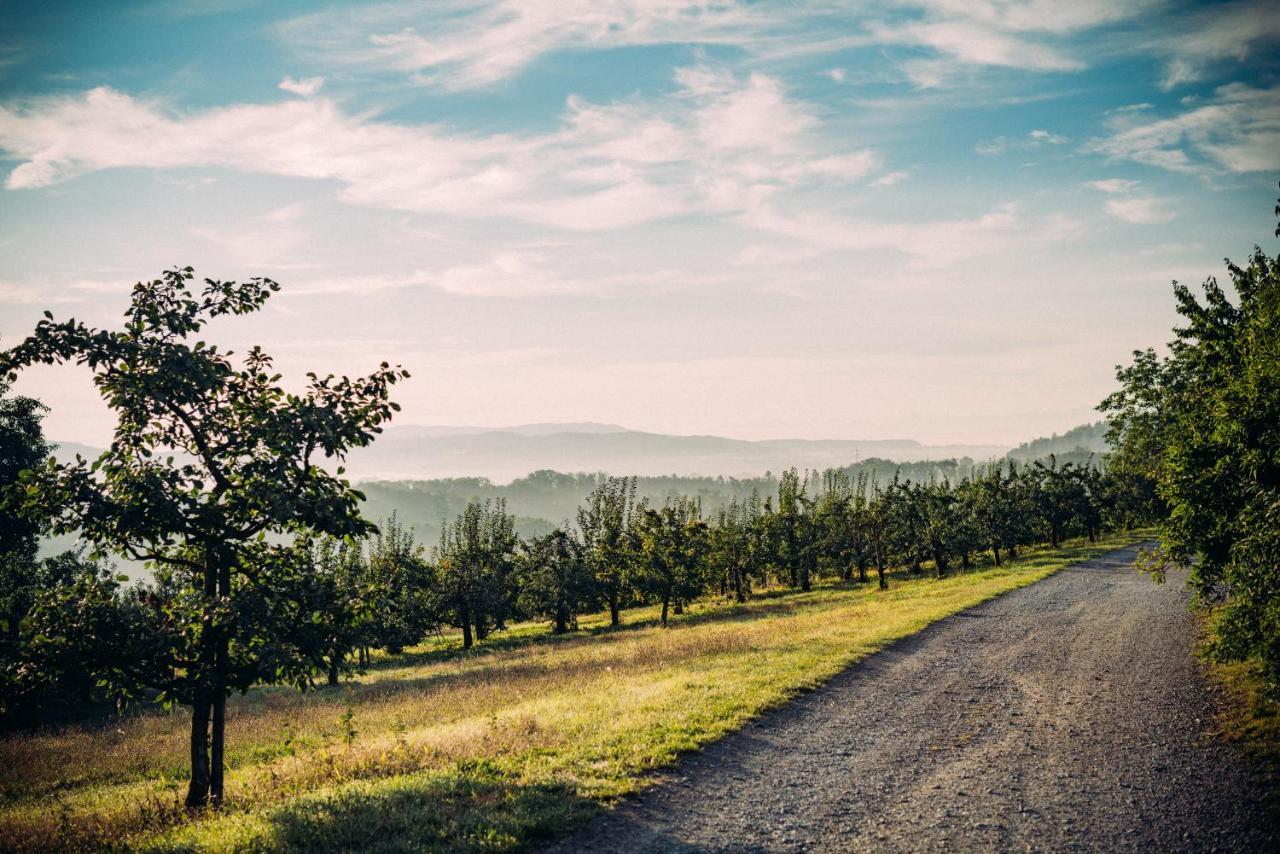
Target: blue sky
x,y
943,220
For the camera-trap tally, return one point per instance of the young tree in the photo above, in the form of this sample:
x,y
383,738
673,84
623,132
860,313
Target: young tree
x,y
210,458
338,594
403,586
736,544
474,561
555,583
607,523
791,531
674,541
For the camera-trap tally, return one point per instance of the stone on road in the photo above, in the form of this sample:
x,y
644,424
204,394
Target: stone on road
x,y
1068,714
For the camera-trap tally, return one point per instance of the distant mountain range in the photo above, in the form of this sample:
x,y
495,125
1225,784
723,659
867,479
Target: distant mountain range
x,y
502,454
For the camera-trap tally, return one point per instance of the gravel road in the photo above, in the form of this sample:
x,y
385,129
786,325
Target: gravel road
x,y
1070,714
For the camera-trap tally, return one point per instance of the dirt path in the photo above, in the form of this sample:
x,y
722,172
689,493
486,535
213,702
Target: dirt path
x,y
1067,714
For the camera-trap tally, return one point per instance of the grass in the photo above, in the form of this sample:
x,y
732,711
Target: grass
x,y
489,749
1249,717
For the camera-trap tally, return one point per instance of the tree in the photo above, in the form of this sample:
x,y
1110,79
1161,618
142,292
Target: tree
x,y
791,533
474,562
86,640
607,521
736,544
213,468
403,586
22,448
341,599
674,541
555,582
1204,424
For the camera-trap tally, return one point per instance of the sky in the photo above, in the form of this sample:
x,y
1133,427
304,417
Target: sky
x,y
945,220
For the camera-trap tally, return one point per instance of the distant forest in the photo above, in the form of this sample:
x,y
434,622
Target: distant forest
x,y
545,500
1076,442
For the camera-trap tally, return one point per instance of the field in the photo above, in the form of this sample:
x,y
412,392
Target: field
x,y
437,749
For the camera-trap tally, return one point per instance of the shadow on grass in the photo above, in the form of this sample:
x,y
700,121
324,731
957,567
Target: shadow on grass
x,y
474,808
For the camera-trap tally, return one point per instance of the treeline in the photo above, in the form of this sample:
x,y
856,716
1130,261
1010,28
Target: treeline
x,y
1078,442
81,628
545,500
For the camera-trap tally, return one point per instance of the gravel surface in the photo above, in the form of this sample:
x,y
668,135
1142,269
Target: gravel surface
x,y
1070,714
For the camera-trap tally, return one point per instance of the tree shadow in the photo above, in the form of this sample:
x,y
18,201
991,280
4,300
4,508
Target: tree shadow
x,y
472,808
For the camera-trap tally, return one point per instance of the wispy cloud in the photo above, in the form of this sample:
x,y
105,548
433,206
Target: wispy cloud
x,y
927,245
305,87
270,239
1034,139
1129,204
514,274
1238,130
717,146
1140,210
1222,32
466,44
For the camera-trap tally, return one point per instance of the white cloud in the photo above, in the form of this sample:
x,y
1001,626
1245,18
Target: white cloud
x,y
1114,185
1225,31
718,145
889,179
1237,131
1033,139
1126,205
928,245
976,44
836,74
1038,136
1140,210
462,44
1045,16
513,274
270,239
303,87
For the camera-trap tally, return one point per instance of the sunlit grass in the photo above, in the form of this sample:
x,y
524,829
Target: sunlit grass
x,y
519,738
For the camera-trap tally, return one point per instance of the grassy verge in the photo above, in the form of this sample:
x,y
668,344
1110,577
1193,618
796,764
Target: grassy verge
x,y
489,749
1249,718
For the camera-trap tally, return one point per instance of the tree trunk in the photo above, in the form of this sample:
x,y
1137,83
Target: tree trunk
x,y
217,749
995,553
481,624
333,669
884,584
198,789
679,609
614,617
666,600
464,617
220,672
201,779
862,570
